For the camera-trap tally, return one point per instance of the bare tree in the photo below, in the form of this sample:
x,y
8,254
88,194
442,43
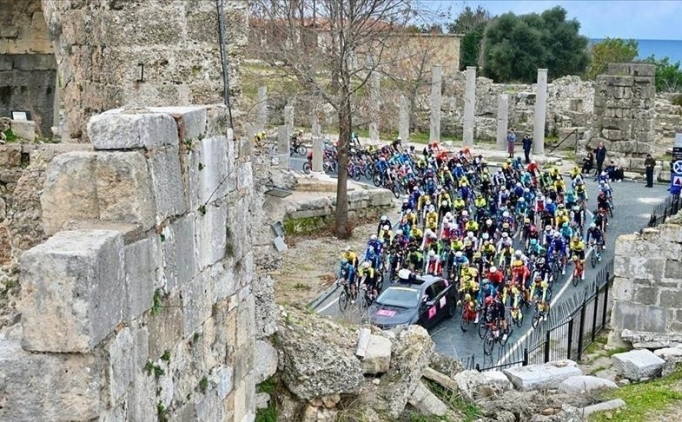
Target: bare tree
x,y
320,43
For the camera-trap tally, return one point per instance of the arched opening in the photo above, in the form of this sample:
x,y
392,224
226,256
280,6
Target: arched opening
x,y
28,69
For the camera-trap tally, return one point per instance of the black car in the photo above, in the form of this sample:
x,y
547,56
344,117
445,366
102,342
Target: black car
x,y
425,301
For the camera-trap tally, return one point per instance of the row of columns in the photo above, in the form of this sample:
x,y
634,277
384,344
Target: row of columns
x,y
435,117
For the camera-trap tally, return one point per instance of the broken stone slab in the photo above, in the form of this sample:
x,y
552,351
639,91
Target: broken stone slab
x,y
441,379
672,357
210,236
542,377
582,384
73,291
377,359
191,120
262,400
48,386
24,129
602,407
473,384
363,341
127,353
141,264
651,340
426,402
167,184
208,172
637,365
265,361
120,129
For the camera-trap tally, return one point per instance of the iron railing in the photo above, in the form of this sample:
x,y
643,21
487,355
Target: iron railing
x,y
670,207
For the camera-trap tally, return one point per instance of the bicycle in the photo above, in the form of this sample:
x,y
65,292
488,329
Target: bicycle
x,y
541,311
346,295
307,167
597,253
578,271
468,317
494,335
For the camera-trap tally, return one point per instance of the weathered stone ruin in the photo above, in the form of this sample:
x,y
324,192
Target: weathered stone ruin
x,y
624,108
140,306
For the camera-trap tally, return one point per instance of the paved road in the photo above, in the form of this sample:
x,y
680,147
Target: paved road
x,y
633,205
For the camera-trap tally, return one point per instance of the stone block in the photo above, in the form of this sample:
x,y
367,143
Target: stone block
x,y
584,384
191,121
210,235
637,365
124,188
634,316
70,190
121,366
24,129
166,326
141,266
377,359
542,377
602,407
426,402
473,384
49,387
167,184
246,322
10,156
119,129
265,361
224,381
178,252
223,281
73,291
208,172
442,379
646,295
196,303
142,399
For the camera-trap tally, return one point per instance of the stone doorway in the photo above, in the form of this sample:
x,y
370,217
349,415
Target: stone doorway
x,y
28,68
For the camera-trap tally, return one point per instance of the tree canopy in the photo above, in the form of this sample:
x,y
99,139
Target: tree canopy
x,y
514,47
471,24
610,50
668,75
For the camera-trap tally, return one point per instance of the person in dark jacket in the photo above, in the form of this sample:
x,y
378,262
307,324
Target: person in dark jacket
x,y
649,165
527,143
600,156
588,163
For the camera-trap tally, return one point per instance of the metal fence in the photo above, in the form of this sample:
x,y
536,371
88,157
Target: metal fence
x,y
670,207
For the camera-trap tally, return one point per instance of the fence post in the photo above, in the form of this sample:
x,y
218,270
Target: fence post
x,y
478,368
594,314
570,337
581,329
606,300
525,356
547,337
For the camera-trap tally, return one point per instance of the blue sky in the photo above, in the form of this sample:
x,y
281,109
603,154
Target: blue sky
x,y
653,19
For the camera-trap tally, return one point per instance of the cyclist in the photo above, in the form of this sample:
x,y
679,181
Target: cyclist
x,y
495,307
435,264
383,222
349,255
558,247
520,273
386,234
577,247
595,234
368,276
346,277
542,295
543,269
535,249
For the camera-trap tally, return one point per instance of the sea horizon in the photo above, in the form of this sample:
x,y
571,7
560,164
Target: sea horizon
x,y
659,48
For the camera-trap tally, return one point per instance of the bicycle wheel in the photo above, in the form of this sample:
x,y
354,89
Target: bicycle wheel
x,y
594,258
377,180
576,279
482,329
519,318
343,301
465,321
302,150
488,344
307,167
396,191
536,318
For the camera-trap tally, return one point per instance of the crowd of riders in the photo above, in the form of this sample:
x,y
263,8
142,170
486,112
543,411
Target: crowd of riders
x,y
501,235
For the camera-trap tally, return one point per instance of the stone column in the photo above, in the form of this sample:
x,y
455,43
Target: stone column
x,y
502,121
289,118
404,118
374,87
318,147
262,108
469,106
283,137
436,102
540,113
315,124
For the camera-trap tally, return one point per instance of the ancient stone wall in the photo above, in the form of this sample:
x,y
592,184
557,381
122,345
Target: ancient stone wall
x,y
647,290
139,307
28,70
624,108
149,53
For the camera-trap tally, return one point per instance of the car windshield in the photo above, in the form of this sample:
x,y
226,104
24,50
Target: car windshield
x,y
401,297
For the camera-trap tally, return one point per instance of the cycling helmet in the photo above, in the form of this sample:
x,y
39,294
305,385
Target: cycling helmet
x,y
565,225
533,242
432,254
366,264
458,254
538,277
415,189
485,281
467,297
386,227
518,254
576,208
508,242
549,201
557,235
432,208
485,236
548,228
384,218
448,215
465,213
489,222
522,199
593,225
532,161
526,220
399,232
526,190
373,237
493,269
518,263
541,260
470,235
505,235
348,249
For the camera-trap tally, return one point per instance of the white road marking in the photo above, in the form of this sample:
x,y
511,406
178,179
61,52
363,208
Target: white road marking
x,y
327,306
651,200
523,338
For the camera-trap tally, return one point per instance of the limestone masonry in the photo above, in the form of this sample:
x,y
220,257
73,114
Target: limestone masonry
x,y
142,304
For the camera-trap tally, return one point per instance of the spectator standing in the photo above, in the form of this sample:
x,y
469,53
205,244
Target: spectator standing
x,y
527,143
511,140
600,156
649,164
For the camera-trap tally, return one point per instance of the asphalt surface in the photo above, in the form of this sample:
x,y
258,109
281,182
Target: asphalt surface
x,y
633,203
